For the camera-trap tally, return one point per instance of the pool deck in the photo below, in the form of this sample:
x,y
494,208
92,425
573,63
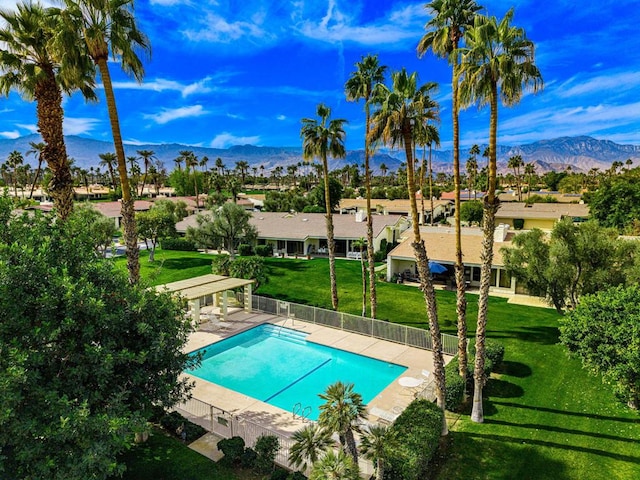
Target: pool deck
x,y
393,399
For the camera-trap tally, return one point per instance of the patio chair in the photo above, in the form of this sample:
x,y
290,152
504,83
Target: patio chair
x,y
384,416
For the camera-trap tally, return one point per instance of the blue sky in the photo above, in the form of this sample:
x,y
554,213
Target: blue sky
x,y
245,72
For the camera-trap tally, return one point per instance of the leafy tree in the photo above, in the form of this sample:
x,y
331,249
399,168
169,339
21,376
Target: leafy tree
x,y
32,64
552,179
157,222
575,260
334,466
471,211
321,139
617,202
498,63
341,412
318,198
86,356
360,86
227,225
177,209
85,219
604,332
309,442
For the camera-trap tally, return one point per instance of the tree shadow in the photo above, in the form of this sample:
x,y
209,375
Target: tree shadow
x,y
514,369
565,412
182,263
540,335
503,389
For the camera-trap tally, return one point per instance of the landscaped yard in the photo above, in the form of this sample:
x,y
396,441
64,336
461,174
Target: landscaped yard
x,y
545,417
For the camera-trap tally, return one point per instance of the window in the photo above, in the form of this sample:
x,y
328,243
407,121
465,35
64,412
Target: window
x,y
505,279
475,274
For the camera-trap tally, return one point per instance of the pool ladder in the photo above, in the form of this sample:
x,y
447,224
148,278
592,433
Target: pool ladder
x,y
302,412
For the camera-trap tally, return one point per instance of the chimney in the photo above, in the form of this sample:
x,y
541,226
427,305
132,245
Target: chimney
x,y
361,216
500,233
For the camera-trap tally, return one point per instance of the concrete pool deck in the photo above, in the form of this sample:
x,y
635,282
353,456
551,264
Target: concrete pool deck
x,y
394,398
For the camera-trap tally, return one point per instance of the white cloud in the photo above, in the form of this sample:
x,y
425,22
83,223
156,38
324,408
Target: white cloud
x,y
168,3
226,139
613,82
30,127
169,114
216,29
162,85
13,134
281,117
78,126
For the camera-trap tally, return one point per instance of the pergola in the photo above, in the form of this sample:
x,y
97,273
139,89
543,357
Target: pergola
x,y
195,289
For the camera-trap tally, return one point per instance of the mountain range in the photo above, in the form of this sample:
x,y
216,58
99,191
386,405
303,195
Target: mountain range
x,y
579,153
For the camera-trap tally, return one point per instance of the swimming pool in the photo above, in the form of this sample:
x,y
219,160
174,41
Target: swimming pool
x,y
278,366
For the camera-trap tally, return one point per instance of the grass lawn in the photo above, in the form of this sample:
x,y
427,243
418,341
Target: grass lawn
x,y
545,417
164,458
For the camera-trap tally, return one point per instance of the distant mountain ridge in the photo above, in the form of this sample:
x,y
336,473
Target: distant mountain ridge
x,y
580,153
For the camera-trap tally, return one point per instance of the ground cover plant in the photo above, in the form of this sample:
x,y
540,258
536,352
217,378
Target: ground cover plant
x,y
545,417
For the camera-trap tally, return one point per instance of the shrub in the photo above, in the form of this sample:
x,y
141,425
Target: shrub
x,y
245,250
173,421
414,438
248,458
264,250
267,447
279,474
454,386
232,448
518,223
494,353
181,244
221,264
296,476
250,268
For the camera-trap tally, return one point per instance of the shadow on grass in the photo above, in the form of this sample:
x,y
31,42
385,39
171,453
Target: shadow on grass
x,y
514,369
541,335
569,431
181,263
565,412
503,389
561,446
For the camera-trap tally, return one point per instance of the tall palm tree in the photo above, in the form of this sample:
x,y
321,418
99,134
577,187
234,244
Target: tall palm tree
x,y
109,160
109,26
33,66
341,413
148,156
445,30
427,135
375,441
309,443
530,171
292,171
400,110
242,167
474,151
360,86
514,163
220,167
497,63
361,245
321,139
37,148
14,161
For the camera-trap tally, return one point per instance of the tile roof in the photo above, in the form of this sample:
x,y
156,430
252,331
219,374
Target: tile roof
x,y
542,210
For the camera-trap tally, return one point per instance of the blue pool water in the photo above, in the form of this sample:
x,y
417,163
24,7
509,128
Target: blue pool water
x,y
278,366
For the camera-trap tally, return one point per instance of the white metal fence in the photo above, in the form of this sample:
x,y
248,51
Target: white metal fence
x,y
393,332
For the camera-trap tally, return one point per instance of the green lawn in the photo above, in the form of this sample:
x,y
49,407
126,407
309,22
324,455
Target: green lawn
x,y
545,417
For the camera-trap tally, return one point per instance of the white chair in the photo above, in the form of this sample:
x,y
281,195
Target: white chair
x,y
425,374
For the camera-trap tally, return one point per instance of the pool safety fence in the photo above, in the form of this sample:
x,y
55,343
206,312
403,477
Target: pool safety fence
x,y
393,332
227,424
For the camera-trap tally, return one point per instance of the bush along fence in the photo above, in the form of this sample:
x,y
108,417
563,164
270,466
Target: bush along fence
x,y
393,332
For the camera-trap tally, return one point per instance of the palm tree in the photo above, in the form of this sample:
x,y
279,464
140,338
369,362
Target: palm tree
x,y
334,466
14,161
474,151
220,167
147,158
384,169
400,110
515,163
242,167
310,442
427,135
292,170
277,174
37,148
32,65
341,412
529,171
320,140
450,19
108,160
374,443
361,244
109,26
190,162
498,62
360,86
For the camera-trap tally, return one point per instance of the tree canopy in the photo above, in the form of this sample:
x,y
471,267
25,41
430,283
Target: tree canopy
x,y
85,356
617,202
604,332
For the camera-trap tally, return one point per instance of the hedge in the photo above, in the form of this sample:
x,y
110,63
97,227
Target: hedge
x,y
244,250
181,244
494,352
413,440
264,250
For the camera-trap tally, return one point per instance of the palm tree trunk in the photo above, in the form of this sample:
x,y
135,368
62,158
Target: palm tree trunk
x,y
50,116
364,282
491,205
351,447
426,285
128,214
431,185
36,176
461,300
330,241
379,469
373,297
